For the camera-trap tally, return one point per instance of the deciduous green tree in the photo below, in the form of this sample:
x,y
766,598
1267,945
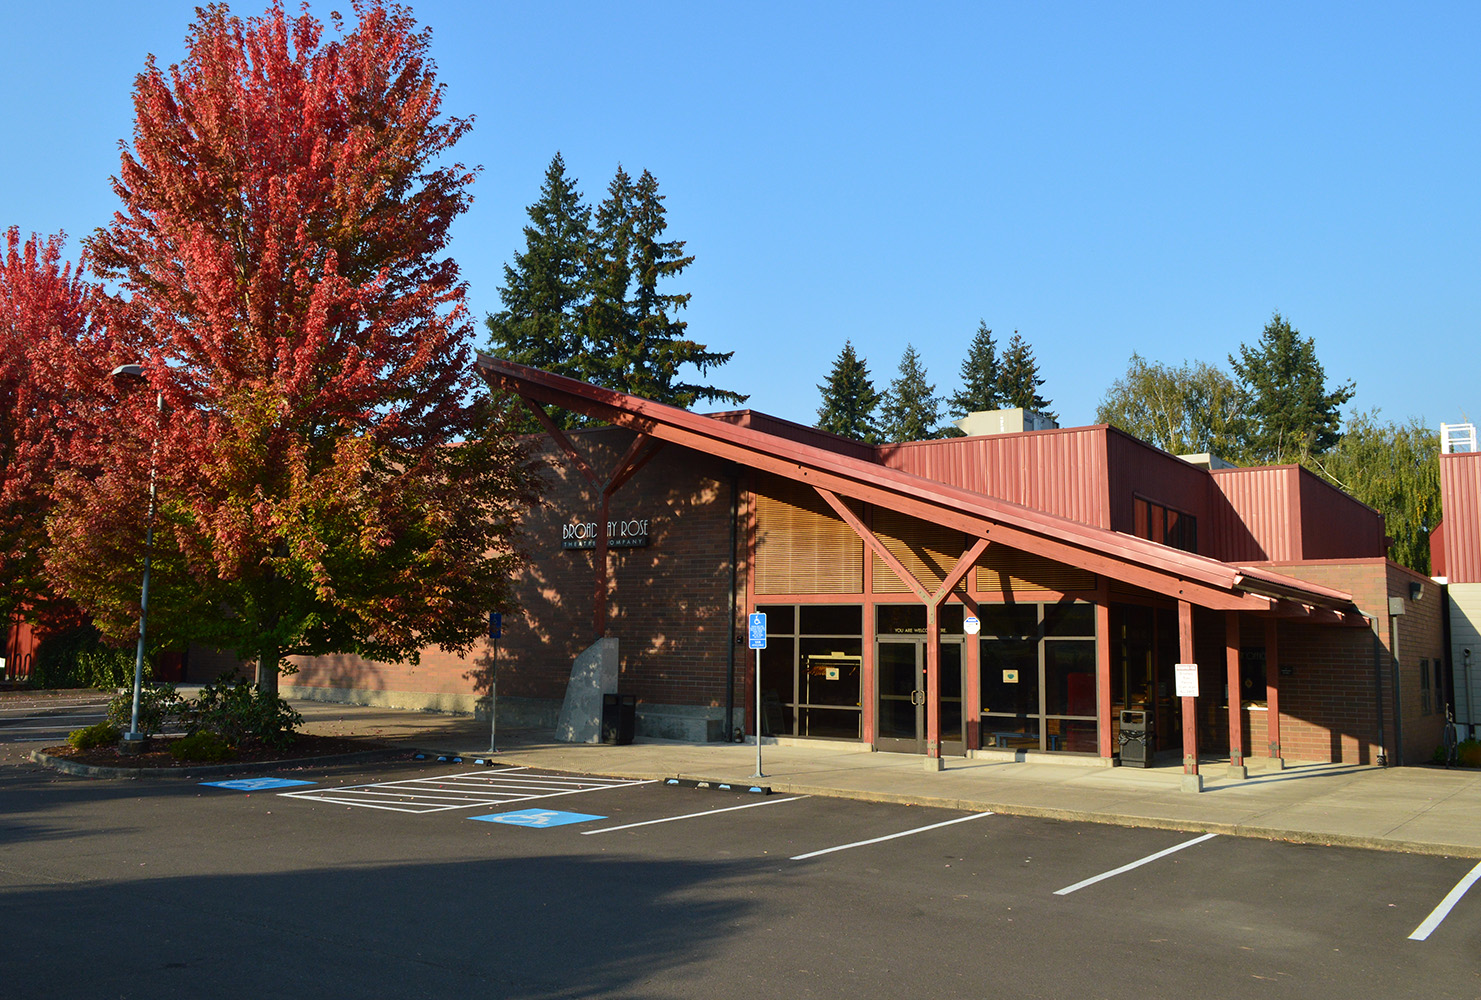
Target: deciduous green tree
x,y
1018,378
1191,408
910,410
1292,414
849,398
1395,469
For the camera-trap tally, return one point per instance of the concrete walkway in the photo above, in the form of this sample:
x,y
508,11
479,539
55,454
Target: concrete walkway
x,y
1425,810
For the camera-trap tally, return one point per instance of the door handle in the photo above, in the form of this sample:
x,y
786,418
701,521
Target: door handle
x,y
917,697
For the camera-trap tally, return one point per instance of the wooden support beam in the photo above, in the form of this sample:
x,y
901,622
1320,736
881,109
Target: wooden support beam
x,y
1191,778
1272,692
1236,713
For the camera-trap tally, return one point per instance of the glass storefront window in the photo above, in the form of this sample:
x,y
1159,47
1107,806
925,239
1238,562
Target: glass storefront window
x,y
1069,619
830,619
910,619
780,618
1038,677
811,671
1007,620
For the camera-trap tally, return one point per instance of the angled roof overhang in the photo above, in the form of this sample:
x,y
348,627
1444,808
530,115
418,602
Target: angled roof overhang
x,y
1143,563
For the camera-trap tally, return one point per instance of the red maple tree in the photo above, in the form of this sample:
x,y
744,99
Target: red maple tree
x,y
325,484
46,308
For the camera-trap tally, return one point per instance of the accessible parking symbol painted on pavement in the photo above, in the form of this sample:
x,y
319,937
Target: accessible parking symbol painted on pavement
x,y
541,818
255,784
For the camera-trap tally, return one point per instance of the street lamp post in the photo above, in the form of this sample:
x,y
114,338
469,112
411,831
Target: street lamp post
x,y
133,740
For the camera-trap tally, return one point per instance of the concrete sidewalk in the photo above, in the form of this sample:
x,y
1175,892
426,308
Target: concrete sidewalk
x,y
1425,810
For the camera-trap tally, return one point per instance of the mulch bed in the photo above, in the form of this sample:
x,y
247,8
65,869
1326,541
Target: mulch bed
x,y
157,752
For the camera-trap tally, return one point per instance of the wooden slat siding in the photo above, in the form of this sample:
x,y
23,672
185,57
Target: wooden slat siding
x,y
927,550
1004,570
1060,472
802,547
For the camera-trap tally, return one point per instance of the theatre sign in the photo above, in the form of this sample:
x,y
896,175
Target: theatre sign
x,y
631,533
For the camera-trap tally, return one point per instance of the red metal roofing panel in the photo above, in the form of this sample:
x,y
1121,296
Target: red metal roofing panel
x,y
1140,470
1257,522
1141,562
1460,499
1060,472
1334,525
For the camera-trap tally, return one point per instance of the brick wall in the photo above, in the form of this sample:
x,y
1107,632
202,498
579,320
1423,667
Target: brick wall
x,y
1328,705
668,603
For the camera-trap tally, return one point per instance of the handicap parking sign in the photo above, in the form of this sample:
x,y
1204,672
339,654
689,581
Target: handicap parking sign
x,y
256,784
757,630
540,818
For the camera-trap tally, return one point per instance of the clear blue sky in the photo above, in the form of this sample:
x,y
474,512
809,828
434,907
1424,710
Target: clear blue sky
x,y
1103,178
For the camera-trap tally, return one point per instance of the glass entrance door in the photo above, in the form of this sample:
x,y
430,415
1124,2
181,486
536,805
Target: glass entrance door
x,y
901,717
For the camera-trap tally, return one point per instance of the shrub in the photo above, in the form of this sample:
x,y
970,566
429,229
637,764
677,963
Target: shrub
x,y
201,746
237,712
1469,753
78,658
159,705
101,734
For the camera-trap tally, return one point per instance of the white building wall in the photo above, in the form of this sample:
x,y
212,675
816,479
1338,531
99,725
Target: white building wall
x,y
1465,634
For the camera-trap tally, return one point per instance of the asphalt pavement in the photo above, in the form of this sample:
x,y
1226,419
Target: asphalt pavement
x,y
1428,810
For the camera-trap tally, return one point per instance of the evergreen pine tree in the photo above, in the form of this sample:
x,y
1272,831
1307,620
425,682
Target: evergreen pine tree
x,y
849,398
545,286
980,372
635,342
910,409
1293,414
1018,378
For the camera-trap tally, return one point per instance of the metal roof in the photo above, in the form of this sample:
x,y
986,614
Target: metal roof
x,y
1197,579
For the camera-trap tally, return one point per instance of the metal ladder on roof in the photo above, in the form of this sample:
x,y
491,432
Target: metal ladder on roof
x,y
1457,438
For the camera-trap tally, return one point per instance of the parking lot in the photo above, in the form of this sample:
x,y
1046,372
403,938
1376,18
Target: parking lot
x,y
636,888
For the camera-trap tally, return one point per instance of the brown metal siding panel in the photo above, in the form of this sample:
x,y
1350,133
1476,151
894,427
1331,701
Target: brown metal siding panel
x,y
1460,499
1060,472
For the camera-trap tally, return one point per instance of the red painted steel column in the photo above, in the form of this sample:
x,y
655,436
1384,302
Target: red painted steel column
x,y
1103,675
1236,714
1190,709
599,558
933,686
1272,690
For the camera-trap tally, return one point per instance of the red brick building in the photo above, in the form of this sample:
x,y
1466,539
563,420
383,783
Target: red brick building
x,y
1004,594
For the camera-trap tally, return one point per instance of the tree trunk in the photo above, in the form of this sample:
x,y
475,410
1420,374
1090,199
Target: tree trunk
x,y
267,669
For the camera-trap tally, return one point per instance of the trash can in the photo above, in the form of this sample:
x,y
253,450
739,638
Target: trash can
x,y
619,718
1136,738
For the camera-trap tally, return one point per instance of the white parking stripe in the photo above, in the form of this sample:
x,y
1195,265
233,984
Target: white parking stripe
x,y
892,836
1135,864
708,812
1442,911
466,790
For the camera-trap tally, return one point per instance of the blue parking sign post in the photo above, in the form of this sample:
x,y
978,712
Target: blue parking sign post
x,y
496,630
757,623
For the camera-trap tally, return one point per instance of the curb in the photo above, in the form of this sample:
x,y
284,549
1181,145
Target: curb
x,y
206,770
1289,836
